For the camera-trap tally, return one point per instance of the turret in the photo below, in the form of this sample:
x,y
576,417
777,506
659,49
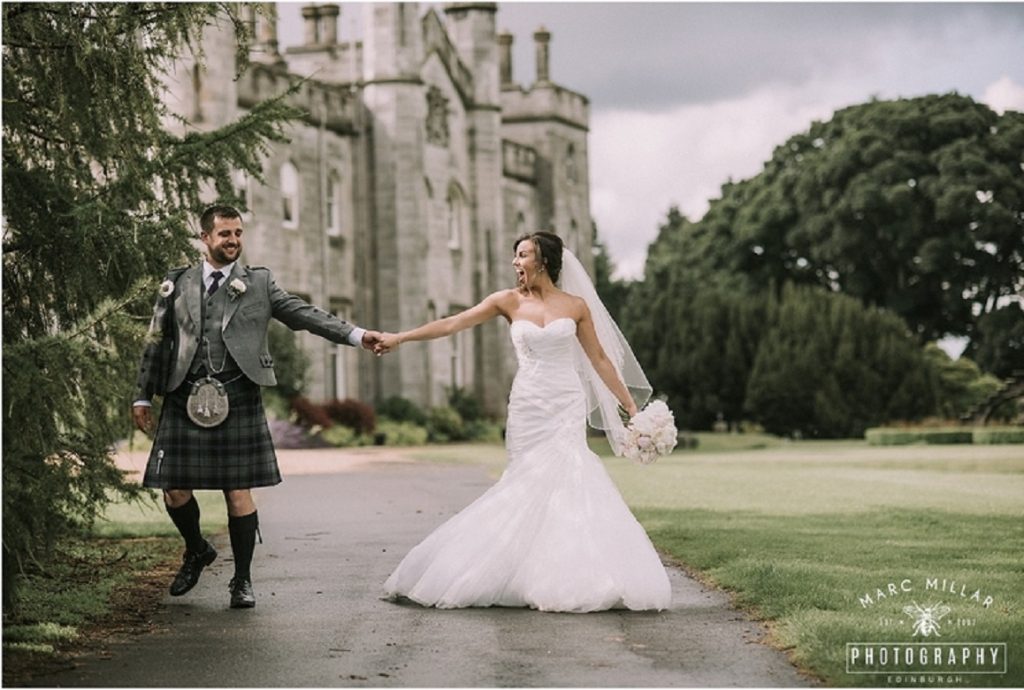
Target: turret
x,y
262,20
472,31
322,55
392,43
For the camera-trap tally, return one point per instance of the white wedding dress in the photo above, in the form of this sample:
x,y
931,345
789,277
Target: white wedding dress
x,y
553,533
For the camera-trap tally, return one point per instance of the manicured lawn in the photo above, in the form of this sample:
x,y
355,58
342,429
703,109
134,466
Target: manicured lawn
x,y
801,532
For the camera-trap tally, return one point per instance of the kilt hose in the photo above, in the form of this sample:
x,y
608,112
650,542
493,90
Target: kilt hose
x,y
237,454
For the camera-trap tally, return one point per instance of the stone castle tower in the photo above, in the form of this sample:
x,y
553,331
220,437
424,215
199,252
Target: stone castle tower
x,y
418,162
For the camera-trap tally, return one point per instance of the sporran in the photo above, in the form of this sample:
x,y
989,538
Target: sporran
x,y
207,404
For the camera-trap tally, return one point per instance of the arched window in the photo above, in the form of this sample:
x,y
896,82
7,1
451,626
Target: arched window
x,y
289,195
456,217
241,180
333,210
574,238
337,382
571,170
520,225
460,358
197,93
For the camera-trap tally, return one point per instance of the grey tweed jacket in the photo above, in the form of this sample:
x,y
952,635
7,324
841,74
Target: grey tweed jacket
x,y
253,302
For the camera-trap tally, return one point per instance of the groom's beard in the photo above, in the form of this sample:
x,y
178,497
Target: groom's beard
x,y
225,255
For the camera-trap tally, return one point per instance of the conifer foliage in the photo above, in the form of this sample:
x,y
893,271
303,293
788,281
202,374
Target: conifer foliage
x,y
98,197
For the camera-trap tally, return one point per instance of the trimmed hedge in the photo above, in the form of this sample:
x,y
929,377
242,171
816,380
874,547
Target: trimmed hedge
x,y
1006,434
402,433
885,436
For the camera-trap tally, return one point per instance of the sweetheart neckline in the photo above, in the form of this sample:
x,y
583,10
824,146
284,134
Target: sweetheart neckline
x,y
560,318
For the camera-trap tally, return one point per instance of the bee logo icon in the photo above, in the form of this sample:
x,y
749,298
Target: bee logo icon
x,y
926,619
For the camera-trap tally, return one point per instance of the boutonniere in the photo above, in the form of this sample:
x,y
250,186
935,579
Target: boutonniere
x,y
167,288
236,288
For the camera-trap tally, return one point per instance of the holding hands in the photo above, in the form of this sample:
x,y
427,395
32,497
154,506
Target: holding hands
x,y
370,340
387,342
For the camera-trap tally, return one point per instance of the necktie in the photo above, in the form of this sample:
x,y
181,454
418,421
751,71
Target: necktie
x,y
216,275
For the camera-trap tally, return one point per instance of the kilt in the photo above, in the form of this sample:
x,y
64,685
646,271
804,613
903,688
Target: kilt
x,y
237,454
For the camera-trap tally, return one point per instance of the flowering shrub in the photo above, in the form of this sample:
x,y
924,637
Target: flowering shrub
x,y
354,414
310,414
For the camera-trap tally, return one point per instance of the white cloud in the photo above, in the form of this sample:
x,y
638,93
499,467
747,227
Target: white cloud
x,y
642,163
1003,95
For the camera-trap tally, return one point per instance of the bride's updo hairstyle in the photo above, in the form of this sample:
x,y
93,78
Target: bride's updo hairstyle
x,y
549,250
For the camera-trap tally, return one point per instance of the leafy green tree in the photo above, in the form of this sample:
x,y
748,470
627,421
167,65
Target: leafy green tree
x,y
97,198
291,364
614,293
960,383
999,345
915,205
827,367
695,337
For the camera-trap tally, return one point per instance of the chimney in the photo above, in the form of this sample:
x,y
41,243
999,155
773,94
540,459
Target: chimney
x,y
266,30
542,37
505,57
311,19
329,29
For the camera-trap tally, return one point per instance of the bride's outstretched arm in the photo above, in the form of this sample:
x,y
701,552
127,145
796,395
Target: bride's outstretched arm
x,y
493,305
602,365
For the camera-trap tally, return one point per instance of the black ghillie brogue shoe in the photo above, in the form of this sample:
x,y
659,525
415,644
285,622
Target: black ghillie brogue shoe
x,y
192,565
242,596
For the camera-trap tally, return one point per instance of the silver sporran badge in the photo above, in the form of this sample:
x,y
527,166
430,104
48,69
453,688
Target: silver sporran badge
x,y
207,403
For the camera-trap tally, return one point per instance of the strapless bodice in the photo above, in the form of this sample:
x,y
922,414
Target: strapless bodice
x,y
550,345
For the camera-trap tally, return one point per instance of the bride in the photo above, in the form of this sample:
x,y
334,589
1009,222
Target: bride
x,y
553,534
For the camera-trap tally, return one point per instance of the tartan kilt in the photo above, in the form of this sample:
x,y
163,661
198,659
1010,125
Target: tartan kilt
x,y
237,454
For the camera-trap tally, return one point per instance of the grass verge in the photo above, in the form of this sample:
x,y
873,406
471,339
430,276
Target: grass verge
x,y
804,537
86,591
108,582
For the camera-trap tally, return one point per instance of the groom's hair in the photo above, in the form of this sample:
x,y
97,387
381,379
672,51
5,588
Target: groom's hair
x,y
216,211
549,251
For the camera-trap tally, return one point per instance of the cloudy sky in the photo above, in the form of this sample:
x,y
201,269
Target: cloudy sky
x,y
685,96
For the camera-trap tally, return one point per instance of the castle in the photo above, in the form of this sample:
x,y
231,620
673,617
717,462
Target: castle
x,y
418,162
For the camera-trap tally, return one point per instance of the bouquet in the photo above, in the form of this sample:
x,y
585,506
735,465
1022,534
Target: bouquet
x,y
652,432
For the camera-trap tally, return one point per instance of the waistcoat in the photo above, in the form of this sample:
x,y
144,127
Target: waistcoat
x,y
212,335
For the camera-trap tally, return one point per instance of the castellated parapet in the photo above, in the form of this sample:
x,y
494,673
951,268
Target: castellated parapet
x,y
415,165
545,102
331,105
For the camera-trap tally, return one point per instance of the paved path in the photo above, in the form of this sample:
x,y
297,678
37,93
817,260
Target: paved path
x,y
332,539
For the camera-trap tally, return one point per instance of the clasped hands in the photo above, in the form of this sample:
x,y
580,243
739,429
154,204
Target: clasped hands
x,y
380,343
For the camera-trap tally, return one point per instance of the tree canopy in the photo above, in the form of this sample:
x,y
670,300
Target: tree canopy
x,y
804,297
914,205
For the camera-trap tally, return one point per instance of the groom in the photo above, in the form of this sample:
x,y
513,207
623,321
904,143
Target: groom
x,y
208,357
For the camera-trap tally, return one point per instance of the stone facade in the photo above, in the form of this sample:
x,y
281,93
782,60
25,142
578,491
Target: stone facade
x,y
398,198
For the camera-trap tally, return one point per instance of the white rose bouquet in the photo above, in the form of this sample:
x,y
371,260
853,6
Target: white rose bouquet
x,y
651,433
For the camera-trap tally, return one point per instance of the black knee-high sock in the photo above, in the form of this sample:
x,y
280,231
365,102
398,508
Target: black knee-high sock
x,y
186,519
242,529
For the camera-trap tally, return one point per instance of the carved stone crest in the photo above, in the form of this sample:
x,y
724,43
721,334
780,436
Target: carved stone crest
x,y
437,117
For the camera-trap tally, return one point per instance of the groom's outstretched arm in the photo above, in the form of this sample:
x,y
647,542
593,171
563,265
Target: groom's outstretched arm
x,y
300,315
